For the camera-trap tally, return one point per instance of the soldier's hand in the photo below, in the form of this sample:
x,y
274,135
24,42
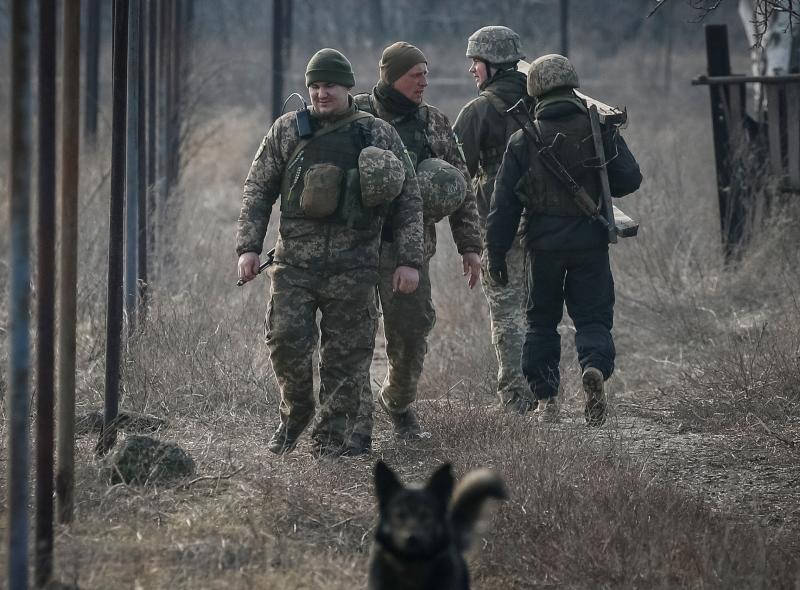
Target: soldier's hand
x,y
472,268
498,270
248,266
405,279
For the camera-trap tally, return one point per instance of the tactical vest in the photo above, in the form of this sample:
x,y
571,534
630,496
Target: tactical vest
x,y
340,148
411,128
541,192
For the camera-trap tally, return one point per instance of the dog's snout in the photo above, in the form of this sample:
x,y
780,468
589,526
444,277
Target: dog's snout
x,y
413,541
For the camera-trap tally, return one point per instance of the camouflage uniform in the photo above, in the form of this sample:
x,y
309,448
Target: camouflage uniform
x,y
484,129
408,319
326,265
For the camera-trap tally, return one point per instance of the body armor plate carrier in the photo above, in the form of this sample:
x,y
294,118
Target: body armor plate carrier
x,y
339,148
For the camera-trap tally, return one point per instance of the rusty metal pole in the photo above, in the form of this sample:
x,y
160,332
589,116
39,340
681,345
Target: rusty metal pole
x,y
141,254
152,110
719,64
92,56
116,229
162,176
176,83
564,20
45,293
19,293
132,169
287,37
278,44
68,257
169,78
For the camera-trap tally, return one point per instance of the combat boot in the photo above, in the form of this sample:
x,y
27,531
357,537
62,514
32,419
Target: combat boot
x,y
283,441
322,450
359,444
406,426
519,404
547,411
593,387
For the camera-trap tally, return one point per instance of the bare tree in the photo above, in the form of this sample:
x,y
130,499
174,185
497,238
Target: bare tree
x,y
763,11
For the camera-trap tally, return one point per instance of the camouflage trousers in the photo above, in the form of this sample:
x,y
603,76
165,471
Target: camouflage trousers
x,y
346,336
507,313
407,321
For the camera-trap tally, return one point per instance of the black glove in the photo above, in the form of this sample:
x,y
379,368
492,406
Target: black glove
x,y
498,271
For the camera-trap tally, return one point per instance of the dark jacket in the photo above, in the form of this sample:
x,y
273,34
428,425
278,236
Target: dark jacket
x,y
550,232
483,132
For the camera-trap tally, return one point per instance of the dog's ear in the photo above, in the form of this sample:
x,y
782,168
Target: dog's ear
x,y
441,483
386,482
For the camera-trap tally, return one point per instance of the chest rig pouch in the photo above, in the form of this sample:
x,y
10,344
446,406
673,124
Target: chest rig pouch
x,y
411,128
322,179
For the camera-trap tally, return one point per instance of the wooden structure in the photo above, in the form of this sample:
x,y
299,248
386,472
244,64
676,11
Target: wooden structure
x,y
735,132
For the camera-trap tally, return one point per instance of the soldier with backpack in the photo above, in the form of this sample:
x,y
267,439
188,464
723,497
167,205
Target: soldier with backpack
x,y
483,128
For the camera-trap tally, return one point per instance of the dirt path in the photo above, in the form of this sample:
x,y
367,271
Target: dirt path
x,y
751,475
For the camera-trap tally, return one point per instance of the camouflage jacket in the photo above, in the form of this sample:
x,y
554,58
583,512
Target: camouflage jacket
x,y
484,132
464,222
322,244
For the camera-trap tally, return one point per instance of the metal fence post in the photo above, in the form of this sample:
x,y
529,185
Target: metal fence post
x,y
19,293
116,229
45,292
68,258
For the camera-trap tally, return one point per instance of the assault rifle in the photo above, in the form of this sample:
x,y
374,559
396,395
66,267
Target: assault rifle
x,y
262,267
613,219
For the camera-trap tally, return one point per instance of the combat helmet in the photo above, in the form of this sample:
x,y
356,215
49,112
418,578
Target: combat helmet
x,y
442,186
495,45
382,175
549,72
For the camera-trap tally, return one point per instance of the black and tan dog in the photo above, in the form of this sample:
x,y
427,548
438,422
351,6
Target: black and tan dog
x,y
423,531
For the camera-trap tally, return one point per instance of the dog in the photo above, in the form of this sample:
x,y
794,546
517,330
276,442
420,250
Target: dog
x,y
424,530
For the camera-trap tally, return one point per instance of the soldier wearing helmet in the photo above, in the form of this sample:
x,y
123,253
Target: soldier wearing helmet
x,y
483,128
441,173
332,211
567,253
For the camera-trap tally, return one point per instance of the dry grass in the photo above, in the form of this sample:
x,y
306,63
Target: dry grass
x,y
588,508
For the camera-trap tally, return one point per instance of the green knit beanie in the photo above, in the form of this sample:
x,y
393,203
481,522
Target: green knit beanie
x,y
329,65
397,59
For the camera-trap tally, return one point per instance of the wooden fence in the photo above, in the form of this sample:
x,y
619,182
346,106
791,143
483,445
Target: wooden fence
x,y
736,132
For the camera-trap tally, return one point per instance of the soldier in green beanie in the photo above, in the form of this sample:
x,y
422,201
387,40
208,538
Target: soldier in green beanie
x,y
329,65
327,253
408,319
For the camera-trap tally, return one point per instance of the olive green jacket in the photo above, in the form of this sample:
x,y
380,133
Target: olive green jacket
x,y
484,132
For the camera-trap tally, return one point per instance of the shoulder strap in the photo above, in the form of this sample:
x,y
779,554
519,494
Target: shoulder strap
x,y
364,102
325,130
497,103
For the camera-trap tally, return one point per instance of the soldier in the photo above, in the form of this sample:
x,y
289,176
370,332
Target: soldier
x,y
431,146
567,253
484,128
338,182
